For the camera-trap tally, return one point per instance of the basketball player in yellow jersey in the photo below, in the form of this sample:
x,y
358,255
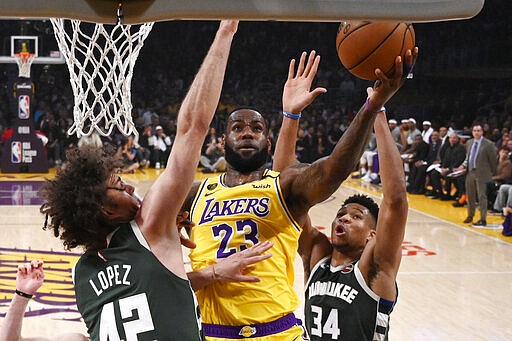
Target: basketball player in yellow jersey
x,y
249,204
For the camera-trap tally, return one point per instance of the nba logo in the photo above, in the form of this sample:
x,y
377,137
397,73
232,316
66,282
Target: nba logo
x,y
24,107
16,152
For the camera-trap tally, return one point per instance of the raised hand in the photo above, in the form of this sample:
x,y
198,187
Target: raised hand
x,y
385,87
297,94
30,277
234,268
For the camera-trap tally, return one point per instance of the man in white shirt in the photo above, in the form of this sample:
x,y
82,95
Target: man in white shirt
x,y
427,131
161,146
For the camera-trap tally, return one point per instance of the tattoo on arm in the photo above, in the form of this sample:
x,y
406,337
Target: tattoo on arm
x,y
300,165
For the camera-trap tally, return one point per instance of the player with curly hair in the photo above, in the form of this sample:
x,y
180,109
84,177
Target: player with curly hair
x,y
131,282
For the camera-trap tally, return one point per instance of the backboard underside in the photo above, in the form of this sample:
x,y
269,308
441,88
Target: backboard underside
x,y
139,11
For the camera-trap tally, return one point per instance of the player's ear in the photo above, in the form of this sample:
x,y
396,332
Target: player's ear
x,y
112,215
106,211
269,146
371,235
223,140
107,208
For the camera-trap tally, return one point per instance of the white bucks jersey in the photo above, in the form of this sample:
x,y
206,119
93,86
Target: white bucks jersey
x,y
340,306
124,293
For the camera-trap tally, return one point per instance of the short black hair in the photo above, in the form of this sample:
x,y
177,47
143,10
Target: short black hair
x,y
365,201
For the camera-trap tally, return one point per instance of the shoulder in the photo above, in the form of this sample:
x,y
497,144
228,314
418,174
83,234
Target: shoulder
x,y
488,145
319,269
88,260
290,173
294,169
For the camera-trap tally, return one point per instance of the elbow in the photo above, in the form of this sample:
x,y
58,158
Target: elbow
x,y
194,123
397,196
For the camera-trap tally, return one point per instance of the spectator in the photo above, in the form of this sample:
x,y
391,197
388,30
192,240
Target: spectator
x,y
149,116
480,164
92,139
396,133
427,131
445,140
161,147
419,152
213,156
128,154
413,131
452,158
366,161
145,150
503,178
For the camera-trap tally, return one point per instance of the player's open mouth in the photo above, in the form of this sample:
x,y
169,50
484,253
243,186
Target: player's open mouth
x,y
339,229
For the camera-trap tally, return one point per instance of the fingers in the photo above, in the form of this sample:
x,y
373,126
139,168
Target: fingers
x,y
243,278
411,56
398,67
255,259
183,215
30,267
410,61
318,91
186,242
310,64
185,223
291,69
258,248
300,69
22,270
35,264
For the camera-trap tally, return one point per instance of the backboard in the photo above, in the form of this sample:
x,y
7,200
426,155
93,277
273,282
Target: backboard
x,y
140,11
34,36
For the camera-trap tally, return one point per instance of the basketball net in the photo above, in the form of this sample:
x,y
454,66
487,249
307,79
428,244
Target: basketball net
x,y
100,59
24,61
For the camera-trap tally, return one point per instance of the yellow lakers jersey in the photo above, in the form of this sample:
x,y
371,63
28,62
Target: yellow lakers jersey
x,y
231,219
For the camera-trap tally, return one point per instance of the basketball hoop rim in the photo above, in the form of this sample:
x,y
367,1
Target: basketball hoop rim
x,y
24,56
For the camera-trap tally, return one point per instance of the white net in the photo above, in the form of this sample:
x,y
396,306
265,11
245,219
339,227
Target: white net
x,y
24,61
100,60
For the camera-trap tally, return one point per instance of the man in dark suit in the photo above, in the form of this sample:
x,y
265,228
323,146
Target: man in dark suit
x,y
416,178
453,156
423,168
480,164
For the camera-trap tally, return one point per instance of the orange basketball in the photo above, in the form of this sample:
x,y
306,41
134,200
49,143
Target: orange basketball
x,y
364,46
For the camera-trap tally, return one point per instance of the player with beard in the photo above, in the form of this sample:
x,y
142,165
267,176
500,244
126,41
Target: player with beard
x,y
131,284
249,204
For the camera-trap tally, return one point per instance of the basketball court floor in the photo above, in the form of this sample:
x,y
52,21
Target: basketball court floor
x,y
455,282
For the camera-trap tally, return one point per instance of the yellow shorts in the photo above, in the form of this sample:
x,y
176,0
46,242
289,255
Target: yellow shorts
x,y
295,333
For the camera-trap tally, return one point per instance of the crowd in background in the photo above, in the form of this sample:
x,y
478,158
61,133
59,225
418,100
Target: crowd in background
x,y
458,79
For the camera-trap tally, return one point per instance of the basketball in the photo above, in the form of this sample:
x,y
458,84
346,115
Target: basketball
x,y
364,46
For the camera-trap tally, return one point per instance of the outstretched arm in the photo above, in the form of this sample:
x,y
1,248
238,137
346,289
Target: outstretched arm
x,y
157,217
296,97
383,254
313,245
316,183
